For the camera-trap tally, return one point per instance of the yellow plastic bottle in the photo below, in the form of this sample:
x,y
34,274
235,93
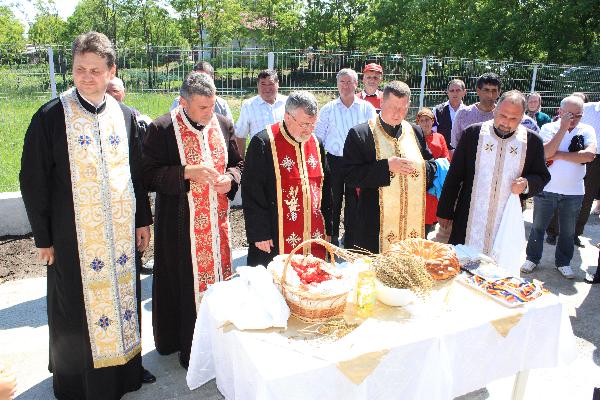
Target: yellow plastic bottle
x,y
365,293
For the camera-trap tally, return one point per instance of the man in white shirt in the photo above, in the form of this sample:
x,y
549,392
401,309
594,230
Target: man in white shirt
x,y
335,120
221,106
259,111
568,145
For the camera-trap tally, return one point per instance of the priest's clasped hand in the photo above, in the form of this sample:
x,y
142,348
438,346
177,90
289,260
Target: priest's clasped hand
x,y
222,184
265,245
201,174
142,238
46,255
400,165
519,185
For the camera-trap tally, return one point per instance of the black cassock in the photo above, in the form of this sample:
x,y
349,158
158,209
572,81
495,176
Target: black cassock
x,y
455,200
45,180
364,171
259,198
173,298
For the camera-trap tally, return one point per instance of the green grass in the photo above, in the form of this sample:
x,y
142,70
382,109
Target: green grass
x,y
16,113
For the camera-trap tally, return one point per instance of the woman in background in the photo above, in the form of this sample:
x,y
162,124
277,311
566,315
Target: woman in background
x,y
439,149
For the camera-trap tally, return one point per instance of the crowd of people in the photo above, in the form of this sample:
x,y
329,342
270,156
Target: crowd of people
x,y
88,165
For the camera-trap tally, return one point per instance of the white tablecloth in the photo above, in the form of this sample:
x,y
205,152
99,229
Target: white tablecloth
x,y
456,346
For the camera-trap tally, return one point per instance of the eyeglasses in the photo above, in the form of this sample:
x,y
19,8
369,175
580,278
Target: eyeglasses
x,y
303,125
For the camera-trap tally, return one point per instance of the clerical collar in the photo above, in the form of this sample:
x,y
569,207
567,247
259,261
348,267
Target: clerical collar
x,y
503,136
192,123
85,103
389,129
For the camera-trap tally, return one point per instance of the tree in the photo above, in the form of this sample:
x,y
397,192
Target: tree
x,y
11,34
47,27
273,22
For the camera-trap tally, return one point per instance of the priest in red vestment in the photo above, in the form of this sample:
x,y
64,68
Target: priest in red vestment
x,y
191,161
285,187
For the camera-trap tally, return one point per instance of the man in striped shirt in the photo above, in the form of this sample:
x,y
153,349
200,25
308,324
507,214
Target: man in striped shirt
x,y
335,120
259,111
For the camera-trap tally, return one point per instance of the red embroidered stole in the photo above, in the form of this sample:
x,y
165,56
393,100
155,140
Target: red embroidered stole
x,y
299,180
209,210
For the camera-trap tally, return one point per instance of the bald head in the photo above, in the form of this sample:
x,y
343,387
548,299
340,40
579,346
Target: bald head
x,y
116,89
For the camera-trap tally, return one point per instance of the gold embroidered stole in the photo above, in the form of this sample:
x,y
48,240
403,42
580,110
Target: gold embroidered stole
x,y
498,162
402,203
299,186
209,210
104,205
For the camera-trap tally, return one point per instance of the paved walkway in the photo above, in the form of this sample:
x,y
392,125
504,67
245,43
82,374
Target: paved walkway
x,y
24,338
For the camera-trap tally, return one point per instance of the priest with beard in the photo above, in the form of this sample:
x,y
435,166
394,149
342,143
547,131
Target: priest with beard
x,y
286,190
191,161
493,159
388,161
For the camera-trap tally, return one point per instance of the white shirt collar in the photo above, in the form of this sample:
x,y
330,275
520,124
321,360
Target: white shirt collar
x,y
354,101
461,105
278,99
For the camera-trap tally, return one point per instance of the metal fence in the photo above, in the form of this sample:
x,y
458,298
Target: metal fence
x,y
162,69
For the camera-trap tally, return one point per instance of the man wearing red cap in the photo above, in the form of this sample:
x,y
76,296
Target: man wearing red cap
x,y
372,77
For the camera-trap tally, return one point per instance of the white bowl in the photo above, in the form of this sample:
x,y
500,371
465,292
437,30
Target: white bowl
x,y
392,296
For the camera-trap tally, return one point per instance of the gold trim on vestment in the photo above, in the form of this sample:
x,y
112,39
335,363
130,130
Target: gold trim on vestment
x,y
212,131
277,187
104,207
402,203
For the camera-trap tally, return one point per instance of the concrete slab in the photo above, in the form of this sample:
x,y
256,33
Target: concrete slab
x,y
13,215
24,338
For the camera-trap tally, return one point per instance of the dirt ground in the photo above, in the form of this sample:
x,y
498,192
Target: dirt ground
x,y
18,256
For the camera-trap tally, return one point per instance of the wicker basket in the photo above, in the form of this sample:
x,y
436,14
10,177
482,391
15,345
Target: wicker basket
x,y
312,307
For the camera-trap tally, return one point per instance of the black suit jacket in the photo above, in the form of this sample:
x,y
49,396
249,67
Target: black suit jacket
x,y
444,122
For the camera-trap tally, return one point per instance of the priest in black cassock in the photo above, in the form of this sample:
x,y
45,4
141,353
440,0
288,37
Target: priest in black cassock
x,y
493,159
88,212
388,161
286,192
191,161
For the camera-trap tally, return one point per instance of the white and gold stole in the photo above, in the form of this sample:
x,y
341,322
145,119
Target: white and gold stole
x,y
209,210
402,203
498,162
104,205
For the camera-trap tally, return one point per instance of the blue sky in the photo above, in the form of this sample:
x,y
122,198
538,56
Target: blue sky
x,y
25,11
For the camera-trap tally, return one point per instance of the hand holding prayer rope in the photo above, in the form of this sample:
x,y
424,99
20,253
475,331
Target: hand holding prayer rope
x,y
400,165
519,185
46,255
201,174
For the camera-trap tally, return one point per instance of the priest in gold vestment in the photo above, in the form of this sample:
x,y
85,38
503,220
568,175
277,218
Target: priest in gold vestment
x,y
89,212
387,160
